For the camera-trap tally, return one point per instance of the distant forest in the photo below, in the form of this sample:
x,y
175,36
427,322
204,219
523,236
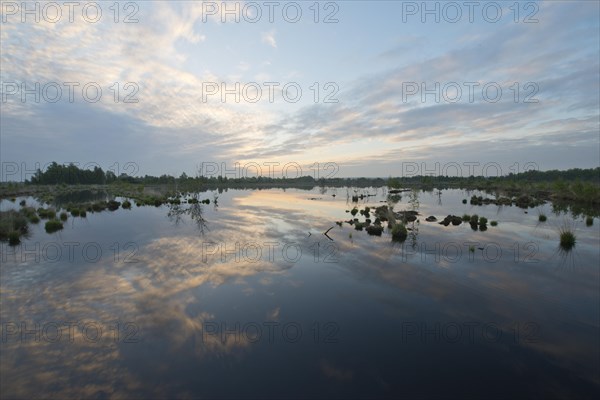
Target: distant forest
x,y
72,175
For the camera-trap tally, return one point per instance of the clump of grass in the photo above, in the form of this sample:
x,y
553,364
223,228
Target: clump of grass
x,y
83,214
494,223
399,233
126,204
29,213
12,223
589,221
567,238
14,238
542,218
75,212
113,205
53,225
99,206
46,213
63,216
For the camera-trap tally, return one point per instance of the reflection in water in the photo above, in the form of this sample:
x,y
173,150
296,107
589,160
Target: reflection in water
x,y
194,211
390,303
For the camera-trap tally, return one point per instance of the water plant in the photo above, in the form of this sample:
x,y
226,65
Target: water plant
x,y
14,238
567,238
589,221
53,225
113,205
13,224
399,232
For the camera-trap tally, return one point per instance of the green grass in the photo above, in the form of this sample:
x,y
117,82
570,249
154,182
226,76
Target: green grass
x,y
46,213
12,223
53,225
567,238
399,233
589,221
113,205
14,238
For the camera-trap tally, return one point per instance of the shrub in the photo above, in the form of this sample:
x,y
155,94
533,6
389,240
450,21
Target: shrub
x,y
126,204
542,218
466,217
482,220
494,223
75,212
63,216
83,214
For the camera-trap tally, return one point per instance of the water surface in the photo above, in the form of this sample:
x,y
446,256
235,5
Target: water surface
x,y
249,298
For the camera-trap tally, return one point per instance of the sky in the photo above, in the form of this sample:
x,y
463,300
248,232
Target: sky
x,y
344,88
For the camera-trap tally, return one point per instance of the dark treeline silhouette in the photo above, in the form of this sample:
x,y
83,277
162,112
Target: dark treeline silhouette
x,y
71,174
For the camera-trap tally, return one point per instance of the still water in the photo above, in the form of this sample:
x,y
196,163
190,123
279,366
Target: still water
x,y
249,298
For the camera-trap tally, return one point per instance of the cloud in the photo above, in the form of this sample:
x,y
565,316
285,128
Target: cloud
x,y
269,38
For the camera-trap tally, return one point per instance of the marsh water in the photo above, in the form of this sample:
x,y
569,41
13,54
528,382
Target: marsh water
x,y
249,298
